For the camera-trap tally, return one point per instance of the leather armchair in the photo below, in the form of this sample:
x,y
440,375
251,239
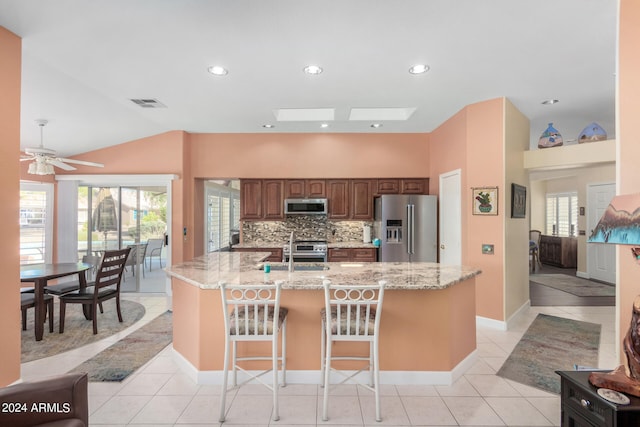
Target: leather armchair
x,y
59,401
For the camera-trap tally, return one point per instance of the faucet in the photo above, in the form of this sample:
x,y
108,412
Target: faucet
x,y
291,252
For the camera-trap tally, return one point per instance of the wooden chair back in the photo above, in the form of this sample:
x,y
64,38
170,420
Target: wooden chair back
x,y
111,269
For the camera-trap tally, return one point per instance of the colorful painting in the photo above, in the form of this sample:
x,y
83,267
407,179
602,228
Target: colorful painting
x,y
620,223
485,201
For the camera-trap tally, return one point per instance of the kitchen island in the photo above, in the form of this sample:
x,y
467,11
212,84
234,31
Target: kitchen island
x,y
428,330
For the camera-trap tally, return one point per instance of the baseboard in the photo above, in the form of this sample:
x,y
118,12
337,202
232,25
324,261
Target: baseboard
x,y
491,323
582,274
313,376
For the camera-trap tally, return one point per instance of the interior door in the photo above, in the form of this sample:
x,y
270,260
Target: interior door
x,y
450,218
601,258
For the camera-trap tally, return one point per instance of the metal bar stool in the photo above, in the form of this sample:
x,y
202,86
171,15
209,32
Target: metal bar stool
x,y
351,313
250,315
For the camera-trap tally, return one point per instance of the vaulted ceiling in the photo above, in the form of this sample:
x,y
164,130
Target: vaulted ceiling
x,y
84,62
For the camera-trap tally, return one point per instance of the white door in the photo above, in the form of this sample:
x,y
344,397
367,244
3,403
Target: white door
x,y
450,218
601,258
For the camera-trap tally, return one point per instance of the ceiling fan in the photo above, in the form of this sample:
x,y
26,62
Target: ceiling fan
x,y
44,159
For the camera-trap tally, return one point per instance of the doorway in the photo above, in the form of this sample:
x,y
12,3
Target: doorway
x,y
601,259
113,217
450,218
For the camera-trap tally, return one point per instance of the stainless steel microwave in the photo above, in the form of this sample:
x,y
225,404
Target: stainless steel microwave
x,y
305,206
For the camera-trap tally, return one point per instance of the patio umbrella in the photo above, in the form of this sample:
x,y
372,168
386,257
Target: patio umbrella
x,y
104,218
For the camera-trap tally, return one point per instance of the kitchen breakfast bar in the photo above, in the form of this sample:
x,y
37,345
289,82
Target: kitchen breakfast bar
x,y
428,323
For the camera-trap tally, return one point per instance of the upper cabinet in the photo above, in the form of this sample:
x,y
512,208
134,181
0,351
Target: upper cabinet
x,y
349,199
305,189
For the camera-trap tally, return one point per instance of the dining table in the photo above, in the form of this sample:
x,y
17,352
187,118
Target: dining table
x,y
40,274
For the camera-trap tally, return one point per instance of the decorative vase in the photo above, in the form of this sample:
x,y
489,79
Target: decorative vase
x,y
591,133
550,138
484,208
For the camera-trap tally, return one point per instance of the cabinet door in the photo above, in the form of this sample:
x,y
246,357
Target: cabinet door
x,y
250,199
272,199
315,188
363,254
339,255
338,195
387,186
294,189
361,199
415,186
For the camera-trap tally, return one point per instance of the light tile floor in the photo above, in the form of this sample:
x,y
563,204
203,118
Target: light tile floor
x,y
159,394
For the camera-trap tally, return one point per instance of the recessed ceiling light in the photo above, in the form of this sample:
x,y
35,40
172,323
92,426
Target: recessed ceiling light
x,y
550,101
324,125
217,70
419,69
376,125
268,126
312,69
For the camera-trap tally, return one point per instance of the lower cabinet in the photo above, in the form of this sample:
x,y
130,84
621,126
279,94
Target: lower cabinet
x,y
559,251
276,253
351,255
581,406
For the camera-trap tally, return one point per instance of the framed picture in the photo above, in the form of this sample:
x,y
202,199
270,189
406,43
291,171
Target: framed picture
x,y
518,201
485,200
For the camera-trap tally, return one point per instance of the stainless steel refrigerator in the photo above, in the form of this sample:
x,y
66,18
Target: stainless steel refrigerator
x,y
407,228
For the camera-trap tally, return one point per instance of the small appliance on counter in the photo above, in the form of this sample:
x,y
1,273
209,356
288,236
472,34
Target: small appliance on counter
x,y
406,226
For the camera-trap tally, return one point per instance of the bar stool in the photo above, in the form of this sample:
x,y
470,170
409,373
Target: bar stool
x,y
249,315
28,300
354,313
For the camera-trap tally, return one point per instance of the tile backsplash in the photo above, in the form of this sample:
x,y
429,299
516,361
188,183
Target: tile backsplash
x,y
305,227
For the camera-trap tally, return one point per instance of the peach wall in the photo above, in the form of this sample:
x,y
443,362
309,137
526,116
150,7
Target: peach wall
x,y
309,155
10,68
628,137
485,167
445,333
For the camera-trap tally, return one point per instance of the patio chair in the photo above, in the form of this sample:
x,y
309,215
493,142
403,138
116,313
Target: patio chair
x,y
136,257
154,248
105,287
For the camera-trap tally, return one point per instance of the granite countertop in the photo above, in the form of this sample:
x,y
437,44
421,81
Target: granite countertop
x,y
207,271
260,245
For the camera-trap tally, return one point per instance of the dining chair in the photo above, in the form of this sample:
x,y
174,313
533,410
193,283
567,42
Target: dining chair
x,y
154,248
105,287
28,300
252,313
351,313
534,249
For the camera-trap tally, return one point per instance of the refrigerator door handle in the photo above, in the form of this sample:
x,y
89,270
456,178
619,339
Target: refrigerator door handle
x,y
409,229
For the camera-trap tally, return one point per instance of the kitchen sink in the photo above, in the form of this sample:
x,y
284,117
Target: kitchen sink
x,y
297,267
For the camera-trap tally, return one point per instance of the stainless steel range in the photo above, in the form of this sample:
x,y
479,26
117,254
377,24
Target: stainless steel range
x,y
306,251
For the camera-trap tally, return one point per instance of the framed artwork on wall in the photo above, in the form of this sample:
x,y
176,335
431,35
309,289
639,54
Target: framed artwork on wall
x,y
518,201
485,200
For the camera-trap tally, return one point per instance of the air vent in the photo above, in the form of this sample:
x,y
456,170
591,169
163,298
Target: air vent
x,y
148,103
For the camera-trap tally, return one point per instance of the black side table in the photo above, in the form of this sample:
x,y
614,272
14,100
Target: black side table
x,y
583,407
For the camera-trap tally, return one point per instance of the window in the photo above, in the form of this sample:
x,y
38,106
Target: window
x,y
222,215
36,225
562,214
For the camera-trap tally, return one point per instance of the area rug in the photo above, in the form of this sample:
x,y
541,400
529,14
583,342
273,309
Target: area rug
x,y
551,343
78,331
574,285
121,359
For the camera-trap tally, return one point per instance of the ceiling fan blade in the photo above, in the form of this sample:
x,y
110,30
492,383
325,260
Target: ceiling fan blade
x,y
58,163
81,162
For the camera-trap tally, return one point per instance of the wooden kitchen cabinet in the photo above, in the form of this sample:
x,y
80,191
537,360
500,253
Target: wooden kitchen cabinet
x,y
387,186
351,255
273,199
338,196
361,199
559,251
415,186
305,189
250,199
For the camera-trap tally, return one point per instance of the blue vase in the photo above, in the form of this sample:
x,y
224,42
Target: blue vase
x,y
591,133
550,138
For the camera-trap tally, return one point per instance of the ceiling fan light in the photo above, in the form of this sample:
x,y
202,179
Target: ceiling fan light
x,y
41,168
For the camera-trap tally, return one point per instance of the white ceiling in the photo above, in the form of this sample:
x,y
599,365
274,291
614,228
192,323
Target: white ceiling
x,y
84,60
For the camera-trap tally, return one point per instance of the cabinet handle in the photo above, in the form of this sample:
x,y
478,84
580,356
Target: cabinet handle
x,y
585,403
